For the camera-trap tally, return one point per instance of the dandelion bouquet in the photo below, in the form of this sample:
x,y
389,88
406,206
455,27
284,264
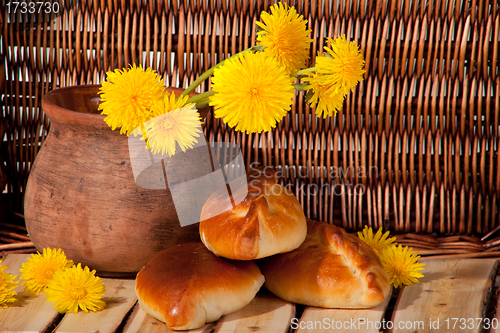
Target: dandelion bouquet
x,y
399,263
71,288
7,285
251,91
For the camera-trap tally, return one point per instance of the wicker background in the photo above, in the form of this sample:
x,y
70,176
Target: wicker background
x,y
415,148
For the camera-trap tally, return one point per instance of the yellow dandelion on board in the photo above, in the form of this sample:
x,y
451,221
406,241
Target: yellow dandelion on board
x,y
128,95
39,268
378,242
401,265
342,66
7,286
76,288
174,123
284,37
252,92
327,103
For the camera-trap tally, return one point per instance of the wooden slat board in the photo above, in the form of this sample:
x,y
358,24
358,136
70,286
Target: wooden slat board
x,y
317,320
119,297
32,312
141,322
451,288
495,322
266,313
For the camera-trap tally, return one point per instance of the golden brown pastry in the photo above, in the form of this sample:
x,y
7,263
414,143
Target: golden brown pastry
x,y
331,269
267,221
187,286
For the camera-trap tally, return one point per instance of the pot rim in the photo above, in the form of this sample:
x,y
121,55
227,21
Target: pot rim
x,y
47,104
59,114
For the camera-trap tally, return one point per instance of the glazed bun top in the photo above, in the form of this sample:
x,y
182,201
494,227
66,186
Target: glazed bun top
x,y
187,286
331,269
267,221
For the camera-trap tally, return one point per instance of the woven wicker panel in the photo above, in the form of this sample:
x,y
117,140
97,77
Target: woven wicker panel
x,y
414,149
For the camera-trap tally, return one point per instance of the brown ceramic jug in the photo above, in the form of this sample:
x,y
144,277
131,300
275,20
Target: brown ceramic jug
x,y
81,195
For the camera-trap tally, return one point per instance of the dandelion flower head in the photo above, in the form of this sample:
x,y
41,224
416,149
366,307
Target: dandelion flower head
x,y
327,103
174,123
76,288
127,97
284,36
378,242
401,265
39,268
7,286
252,92
341,66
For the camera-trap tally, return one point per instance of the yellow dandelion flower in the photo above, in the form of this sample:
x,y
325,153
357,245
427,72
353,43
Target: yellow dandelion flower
x,y
252,92
377,242
401,265
7,286
284,36
174,123
39,268
128,95
76,288
342,66
327,102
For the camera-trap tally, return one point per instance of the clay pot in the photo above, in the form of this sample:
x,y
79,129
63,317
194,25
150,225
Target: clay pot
x,y
81,195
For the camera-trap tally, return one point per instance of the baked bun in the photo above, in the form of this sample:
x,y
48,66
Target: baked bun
x,y
267,221
187,286
331,269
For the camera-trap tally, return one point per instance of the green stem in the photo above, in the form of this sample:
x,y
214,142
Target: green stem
x,y
200,97
304,71
209,72
202,103
301,87
199,80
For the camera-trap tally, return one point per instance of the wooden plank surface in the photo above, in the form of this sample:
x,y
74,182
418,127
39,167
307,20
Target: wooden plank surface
x,y
31,312
494,324
141,322
266,313
120,299
318,320
451,288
